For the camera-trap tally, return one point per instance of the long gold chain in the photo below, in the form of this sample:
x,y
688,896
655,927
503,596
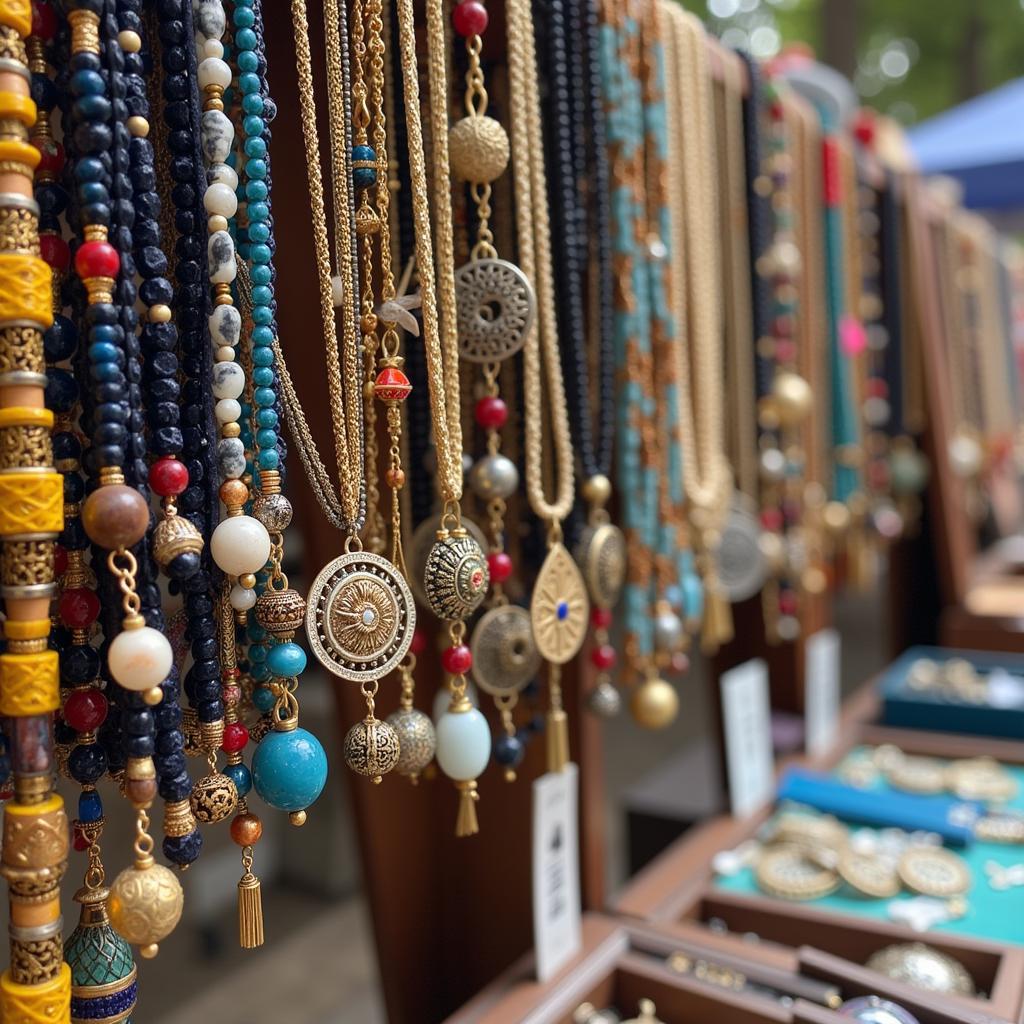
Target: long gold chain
x,y
439,339
535,261
345,393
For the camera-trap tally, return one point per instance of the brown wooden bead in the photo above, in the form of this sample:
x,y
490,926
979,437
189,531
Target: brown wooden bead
x,y
115,516
246,830
234,493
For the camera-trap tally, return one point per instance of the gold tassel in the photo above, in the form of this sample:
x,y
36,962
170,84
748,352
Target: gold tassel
x,y
250,908
466,823
717,628
557,739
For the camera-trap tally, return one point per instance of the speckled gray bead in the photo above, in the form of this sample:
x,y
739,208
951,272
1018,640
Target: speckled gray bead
x,y
225,326
209,18
228,380
221,252
230,457
217,135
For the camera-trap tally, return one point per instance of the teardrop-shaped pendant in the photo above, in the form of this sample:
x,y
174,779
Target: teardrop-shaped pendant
x,y
559,609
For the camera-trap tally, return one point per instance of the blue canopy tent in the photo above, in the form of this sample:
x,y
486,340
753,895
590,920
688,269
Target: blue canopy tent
x,y
981,144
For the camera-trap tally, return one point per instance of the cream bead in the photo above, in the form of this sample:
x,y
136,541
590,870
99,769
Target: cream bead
x,y
213,48
220,198
129,41
214,71
227,410
216,223
222,174
228,380
239,545
140,658
337,292
225,354
463,744
241,599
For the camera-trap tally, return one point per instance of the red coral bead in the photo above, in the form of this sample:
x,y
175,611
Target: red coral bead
x,y
78,607
500,566
470,18
457,660
787,602
168,477
51,155
235,737
419,642
54,250
60,559
80,843
97,259
603,657
600,618
771,519
85,710
44,20
491,412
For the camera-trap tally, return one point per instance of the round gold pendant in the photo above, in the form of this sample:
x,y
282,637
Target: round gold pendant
x,y
925,775
424,538
496,305
602,558
788,873
559,608
505,658
919,965
934,871
456,576
869,875
360,616
981,778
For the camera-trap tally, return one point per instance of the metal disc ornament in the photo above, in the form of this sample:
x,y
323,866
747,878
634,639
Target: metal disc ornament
x,y
424,538
456,576
360,616
505,658
602,559
496,307
741,565
559,609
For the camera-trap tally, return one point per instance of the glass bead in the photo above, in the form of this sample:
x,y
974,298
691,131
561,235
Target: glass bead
x,y
240,775
263,698
289,769
286,660
90,806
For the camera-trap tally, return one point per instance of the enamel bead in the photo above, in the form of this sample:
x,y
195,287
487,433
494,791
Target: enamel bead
x,y
140,659
239,545
463,744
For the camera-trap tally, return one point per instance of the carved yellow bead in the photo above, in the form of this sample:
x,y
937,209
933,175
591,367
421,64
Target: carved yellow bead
x,y
30,502
29,684
18,108
26,292
25,416
45,1003
17,14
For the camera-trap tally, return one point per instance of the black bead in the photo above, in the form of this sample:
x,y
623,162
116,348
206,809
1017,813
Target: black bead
x,y
87,763
66,446
183,566
73,535
60,339
92,138
61,390
74,488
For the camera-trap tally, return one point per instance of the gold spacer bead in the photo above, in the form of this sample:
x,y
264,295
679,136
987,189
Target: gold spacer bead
x,y
230,430
153,696
247,581
297,818
149,951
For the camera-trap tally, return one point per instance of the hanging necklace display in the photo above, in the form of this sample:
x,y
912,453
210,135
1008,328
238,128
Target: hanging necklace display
x,y
707,475
496,308
577,155
456,573
559,607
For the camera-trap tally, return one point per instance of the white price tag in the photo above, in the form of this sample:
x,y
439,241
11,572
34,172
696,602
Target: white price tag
x,y
556,870
821,691
748,740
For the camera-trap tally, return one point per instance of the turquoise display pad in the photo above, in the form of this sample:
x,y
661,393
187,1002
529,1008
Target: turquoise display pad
x,y
994,915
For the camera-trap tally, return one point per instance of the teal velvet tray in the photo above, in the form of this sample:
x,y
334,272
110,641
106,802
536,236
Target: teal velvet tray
x,y
992,914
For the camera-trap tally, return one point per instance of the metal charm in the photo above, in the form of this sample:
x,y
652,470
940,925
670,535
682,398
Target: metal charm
x,y
423,540
456,576
741,565
602,559
934,871
360,616
923,967
505,658
495,310
789,873
559,608
869,875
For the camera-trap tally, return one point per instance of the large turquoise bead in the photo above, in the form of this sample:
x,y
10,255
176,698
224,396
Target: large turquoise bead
x,y
289,769
286,660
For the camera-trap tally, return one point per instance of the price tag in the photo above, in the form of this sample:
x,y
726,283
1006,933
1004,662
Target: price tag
x,y
556,871
748,740
821,691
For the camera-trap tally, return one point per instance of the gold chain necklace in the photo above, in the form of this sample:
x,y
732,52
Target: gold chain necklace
x,y
559,607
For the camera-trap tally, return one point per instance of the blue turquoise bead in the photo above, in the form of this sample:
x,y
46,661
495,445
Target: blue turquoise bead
x,y
289,769
266,438
105,332
253,125
103,352
286,660
263,698
261,275
255,147
365,176
254,632
105,372
86,83
90,805
252,104
89,168
262,376
262,335
256,190
93,192
267,417
258,232
259,673
263,356
256,169
248,61
269,459
258,212
240,775
260,253
248,81
257,654
264,397
243,18
693,597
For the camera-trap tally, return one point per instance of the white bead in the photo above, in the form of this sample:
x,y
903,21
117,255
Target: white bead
x,y
228,380
240,544
227,410
225,354
220,198
140,659
216,223
220,251
222,173
213,71
213,48
241,599
337,292
965,456
225,326
463,744
443,699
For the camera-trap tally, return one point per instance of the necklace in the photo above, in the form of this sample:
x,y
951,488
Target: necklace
x,y
559,607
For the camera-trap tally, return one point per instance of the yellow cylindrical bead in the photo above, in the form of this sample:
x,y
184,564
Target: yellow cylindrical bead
x,y
16,14
26,292
29,684
25,416
27,629
31,503
46,1003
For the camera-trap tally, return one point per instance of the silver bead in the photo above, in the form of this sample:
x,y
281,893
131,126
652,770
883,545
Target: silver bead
x,y
416,740
604,700
668,631
494,476
773,464
274,511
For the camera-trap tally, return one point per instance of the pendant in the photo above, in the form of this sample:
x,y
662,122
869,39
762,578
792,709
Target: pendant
x,y
559,608
741,565
602,558
424,538
505,658
496,308
789,873
914,963
934,871
360,617
456,577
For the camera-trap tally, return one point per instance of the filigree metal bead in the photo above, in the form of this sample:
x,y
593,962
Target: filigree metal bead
x,y
372,748
281,611
274,511
416,738
478,149
213,798
456,576
173,536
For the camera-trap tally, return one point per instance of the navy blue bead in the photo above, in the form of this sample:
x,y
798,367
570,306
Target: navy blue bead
x,y
52,199
61,390
509,750
138,746
182,849
90,806
60,339
211,711
93,137
88,168
86,83
170,764
87,763
91,108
